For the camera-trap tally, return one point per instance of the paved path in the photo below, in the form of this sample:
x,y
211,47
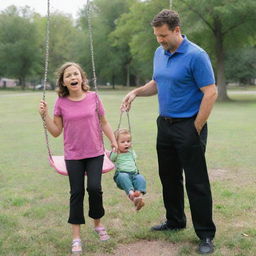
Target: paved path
x,y
242,92
18,94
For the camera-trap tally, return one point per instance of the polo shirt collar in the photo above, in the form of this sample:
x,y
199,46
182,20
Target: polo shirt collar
x,y
181,48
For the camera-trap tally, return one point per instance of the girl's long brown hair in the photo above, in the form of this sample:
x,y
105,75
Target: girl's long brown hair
x,y
61,89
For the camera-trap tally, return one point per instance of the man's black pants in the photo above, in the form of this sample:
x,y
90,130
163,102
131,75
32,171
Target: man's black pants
x,y
180,147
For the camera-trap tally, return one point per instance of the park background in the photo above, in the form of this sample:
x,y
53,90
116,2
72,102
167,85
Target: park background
x,y
34,200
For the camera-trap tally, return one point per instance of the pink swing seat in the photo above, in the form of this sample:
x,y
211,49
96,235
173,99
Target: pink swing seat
x,y
58,163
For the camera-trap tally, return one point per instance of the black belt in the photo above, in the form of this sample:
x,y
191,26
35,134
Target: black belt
x,y
175,120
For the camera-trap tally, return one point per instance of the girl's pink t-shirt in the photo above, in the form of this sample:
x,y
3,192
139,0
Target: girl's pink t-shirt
x,y
82,133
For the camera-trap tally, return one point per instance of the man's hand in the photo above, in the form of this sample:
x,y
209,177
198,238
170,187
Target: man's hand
x,y
210,96
148,89
127,101
198,126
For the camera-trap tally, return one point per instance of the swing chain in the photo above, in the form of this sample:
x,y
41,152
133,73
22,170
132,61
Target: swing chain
x,y
89,15
46,47
46,74
120,121
91,46
88,9
170,4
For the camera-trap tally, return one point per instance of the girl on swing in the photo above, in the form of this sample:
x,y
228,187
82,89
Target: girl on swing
x,y
77,111
127,175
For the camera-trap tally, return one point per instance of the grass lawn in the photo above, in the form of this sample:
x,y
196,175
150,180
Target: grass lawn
x,y
34,200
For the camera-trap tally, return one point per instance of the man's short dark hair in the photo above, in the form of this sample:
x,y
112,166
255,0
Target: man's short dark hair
x,y
168,17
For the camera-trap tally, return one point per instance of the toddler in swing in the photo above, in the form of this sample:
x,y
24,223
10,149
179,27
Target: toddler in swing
x,y
127,175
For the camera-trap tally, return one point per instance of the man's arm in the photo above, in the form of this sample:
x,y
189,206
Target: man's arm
x,y
209,98
148,89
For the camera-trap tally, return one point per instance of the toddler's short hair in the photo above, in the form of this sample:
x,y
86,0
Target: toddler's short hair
x,y
121,131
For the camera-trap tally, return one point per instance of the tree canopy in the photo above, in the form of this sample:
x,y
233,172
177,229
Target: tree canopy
x,y
18,44
219,25
123,39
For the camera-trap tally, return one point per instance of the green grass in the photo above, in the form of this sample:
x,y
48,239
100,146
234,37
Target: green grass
x,y
34,199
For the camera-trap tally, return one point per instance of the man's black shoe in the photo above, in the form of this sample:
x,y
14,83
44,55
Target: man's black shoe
x,y
165,227
205,246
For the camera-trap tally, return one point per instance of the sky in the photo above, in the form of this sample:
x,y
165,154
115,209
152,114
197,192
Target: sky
x,y
40,6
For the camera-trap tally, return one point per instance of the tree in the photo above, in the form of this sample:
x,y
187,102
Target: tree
x,y
64,39
223,23
241,65
63,36
18,44
134,34
109,60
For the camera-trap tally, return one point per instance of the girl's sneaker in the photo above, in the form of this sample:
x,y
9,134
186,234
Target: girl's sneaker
x,y
76,246
103,235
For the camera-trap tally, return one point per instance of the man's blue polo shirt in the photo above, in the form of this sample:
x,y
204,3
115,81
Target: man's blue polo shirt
x,y
179,77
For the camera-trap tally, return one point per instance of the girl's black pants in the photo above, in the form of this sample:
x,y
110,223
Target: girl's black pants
x,y
76,173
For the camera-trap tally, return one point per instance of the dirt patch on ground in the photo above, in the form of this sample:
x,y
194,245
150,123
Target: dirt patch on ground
x,y
145,248
218,174
239,176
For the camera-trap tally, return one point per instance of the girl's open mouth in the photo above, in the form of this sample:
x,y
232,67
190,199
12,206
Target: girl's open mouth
x,y
74,83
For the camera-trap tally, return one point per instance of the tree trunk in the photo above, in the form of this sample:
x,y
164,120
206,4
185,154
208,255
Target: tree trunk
x,y
219,49
22,83
113,82
128,75
137,80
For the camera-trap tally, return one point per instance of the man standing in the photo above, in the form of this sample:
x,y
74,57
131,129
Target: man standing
x,y
184,81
